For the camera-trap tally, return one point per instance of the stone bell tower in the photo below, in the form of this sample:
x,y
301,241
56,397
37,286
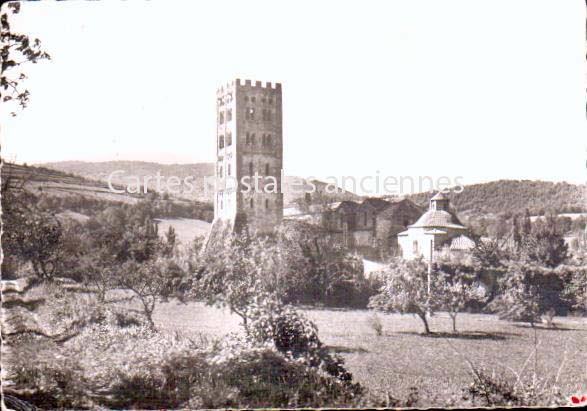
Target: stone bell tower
x,y
249,156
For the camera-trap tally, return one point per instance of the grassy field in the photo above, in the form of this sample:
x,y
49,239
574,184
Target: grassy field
x,y
186,229
403,358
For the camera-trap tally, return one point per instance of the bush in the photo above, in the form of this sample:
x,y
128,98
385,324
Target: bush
x,y
491,389
377,325
264,376
294,335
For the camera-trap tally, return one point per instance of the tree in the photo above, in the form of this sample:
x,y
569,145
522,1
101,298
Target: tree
x,y
17,49
29,234
171,239
99,272
294,264
529,291
406,290
231,275
489,253
576,286
311,269
526,223
498,228
516,236
125,234
148,281
456,291
545,243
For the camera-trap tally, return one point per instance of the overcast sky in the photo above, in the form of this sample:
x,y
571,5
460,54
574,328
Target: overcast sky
x,y
480,89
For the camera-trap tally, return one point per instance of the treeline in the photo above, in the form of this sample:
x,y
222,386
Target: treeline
x,y
501,226
509,197
531,277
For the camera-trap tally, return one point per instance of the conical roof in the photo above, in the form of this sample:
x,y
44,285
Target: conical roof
x,y
439,196
438,219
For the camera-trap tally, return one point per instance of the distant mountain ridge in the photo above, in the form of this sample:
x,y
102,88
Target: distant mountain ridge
x,y
477,200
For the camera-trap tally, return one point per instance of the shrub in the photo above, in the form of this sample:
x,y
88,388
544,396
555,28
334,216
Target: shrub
x,y
492,389
376,325
264,376
294,335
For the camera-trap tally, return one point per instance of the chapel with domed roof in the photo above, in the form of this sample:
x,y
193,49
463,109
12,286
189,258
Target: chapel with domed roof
x,y
438,228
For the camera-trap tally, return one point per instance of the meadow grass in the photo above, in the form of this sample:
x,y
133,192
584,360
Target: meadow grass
x,y
403,358
186,229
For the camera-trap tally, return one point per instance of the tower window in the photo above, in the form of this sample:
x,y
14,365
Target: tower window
x,y
221,118
251,203
266,140
266,115
229,115
248,139
228,169
251,168
220,171
228,138
267,169
221,141
266,203
253,139
250,115
246,98
270,101
263,100
253,99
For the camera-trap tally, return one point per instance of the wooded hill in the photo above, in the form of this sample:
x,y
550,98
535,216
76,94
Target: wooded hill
x,y
509,197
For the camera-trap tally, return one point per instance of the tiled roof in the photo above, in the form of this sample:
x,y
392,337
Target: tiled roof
x,y
347,205
438,218
462,242
407,204
377,203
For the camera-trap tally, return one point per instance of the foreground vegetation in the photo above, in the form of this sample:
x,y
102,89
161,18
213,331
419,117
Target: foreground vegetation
x,y
98,310
402,359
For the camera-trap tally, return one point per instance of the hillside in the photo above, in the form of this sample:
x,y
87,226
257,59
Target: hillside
x,y
63,184
67,192
139,169
127,172
513,197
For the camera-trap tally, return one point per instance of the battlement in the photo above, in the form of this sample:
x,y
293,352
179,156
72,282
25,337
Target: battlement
x,y
258,84
248,84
